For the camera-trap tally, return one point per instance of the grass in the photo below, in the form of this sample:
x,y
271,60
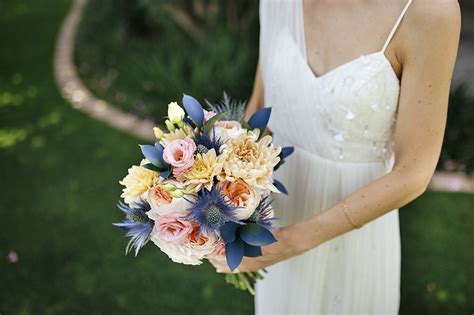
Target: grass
x,y
437,256
58,184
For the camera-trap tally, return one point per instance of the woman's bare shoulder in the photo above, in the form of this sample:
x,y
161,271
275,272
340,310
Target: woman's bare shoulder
x,y
430,24
427,14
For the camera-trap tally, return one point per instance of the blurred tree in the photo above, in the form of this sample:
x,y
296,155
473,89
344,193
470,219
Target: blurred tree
x,y
195,16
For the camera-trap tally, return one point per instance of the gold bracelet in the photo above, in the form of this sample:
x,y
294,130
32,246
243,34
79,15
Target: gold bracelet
x,y
345,208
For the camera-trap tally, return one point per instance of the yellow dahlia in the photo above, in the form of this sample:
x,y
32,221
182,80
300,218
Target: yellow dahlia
x,y
251,160
137,183
206,166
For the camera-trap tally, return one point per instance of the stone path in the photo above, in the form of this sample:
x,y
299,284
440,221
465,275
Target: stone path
x,y
75,91
82,99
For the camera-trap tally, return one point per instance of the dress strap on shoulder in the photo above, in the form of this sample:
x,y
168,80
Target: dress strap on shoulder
x,y
395,27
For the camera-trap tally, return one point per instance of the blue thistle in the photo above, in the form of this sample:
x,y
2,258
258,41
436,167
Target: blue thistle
x,y
263,214
137,224
211,210
205,142
234,110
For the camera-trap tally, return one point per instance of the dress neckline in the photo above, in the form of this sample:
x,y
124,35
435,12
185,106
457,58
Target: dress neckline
x,y
351,61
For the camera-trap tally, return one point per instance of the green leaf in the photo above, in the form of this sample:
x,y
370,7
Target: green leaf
x,y
208,125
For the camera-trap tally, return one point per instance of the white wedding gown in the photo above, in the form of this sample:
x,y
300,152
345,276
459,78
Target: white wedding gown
x,y
341,125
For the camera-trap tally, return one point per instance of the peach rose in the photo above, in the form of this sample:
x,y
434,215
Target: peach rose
x,y
160,205
243,196
157,197
202,244
180,155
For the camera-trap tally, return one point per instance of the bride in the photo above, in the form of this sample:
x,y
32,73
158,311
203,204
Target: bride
x,y
360,89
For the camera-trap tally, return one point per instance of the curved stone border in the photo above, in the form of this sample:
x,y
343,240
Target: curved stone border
x,y
81,98
78,95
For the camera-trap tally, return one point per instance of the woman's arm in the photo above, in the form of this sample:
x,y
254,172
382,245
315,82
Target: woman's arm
x,y
428,55
428,60
256,101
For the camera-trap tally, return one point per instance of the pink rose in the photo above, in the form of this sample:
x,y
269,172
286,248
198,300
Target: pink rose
x,y
174,227
180,155
208,115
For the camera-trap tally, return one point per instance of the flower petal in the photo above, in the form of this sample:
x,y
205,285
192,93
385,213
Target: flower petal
x,y
234,253
256,235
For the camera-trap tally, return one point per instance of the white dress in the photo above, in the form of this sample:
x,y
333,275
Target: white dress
x,y
341,125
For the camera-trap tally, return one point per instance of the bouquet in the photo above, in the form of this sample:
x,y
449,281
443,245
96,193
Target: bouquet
x,y
203,189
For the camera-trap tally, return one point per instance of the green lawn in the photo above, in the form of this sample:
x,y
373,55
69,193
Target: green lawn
x,y
58,184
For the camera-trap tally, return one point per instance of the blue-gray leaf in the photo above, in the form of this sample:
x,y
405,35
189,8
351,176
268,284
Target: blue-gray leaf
x,y
194,109
252,251
286,151
280,186
234,253
260,119
256,235
152,154
229,231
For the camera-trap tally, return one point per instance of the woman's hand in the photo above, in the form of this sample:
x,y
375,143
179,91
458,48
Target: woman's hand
x,y
271,254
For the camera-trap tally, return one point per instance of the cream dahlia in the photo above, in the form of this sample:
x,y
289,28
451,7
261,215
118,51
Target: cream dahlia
x,y
137,183
251,160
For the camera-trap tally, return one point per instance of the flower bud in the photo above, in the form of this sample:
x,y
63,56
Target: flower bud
x,y
169,187
177,194
169,125
175,113
158,133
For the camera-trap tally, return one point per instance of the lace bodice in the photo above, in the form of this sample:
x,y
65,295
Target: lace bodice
x,y
347,114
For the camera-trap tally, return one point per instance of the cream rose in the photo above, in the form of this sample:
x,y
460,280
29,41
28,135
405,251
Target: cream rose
x,y
162,205
226,129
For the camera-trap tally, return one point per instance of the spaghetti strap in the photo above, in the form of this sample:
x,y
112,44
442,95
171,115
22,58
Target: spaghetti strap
x,y
394,29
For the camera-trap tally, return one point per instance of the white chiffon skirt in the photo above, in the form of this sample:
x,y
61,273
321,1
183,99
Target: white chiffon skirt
x,y
356,273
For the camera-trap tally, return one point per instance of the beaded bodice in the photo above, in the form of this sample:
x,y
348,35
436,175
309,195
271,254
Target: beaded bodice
x,y
347,114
